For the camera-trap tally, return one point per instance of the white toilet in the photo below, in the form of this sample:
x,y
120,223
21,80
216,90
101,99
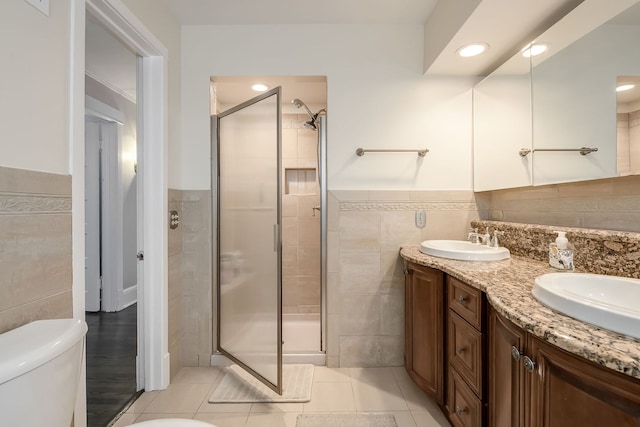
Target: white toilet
x,y
39,370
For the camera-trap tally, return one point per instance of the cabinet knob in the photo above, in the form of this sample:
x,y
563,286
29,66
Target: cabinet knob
x,y
515,353
460,410
529,364
462,299
460,350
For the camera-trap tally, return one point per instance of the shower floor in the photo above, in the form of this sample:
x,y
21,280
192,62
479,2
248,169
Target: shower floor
x,y
301,333
300,336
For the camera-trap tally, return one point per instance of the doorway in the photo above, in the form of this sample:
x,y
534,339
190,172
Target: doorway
x,y
111,224
153,359
301,219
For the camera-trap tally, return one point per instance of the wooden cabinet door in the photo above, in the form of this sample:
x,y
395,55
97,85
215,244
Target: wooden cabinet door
x,y
505,373
568,391
424,329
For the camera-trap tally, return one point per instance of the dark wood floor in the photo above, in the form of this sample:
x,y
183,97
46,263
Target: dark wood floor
x,y
111,364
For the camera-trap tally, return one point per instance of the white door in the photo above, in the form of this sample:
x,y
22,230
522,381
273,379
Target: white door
x,y
103,217
92,213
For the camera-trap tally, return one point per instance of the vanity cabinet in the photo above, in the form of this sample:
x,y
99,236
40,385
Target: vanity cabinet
x,y
534,384
506,373
466,328
424,329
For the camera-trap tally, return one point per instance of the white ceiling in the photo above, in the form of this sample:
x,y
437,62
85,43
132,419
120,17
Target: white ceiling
x,y
274,12
504,24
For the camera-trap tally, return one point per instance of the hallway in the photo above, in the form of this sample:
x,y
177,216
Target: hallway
x,y
111,363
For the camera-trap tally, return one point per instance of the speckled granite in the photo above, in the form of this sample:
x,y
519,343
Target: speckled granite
x,y
615,253
508,285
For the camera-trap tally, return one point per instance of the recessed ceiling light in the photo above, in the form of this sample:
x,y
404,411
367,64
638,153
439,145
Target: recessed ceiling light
x,y
259,87
534,49
625,86
472,49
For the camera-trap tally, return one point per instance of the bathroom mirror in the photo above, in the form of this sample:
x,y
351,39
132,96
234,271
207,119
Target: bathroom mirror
x,y
502,126
572,101
628,124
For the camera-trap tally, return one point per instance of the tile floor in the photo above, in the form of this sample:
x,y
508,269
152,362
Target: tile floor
x,y
334,390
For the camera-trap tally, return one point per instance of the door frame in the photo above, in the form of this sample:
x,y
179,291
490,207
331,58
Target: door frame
x,y
153,355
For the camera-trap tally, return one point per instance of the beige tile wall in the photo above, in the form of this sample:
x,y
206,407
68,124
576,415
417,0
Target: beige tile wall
x,y
300,223
622,140
197,300
610,204
628,143
634,142
175,303
365,286
35,247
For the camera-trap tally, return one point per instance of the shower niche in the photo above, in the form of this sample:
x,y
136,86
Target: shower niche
x,y
300,181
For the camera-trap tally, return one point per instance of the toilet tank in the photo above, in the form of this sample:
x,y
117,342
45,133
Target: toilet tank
x,y
39,370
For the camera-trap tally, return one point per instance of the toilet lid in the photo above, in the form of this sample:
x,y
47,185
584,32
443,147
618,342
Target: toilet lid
x,y
172,422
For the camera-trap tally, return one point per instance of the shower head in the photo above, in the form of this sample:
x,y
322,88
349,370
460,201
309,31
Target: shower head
x,y
297,103
310,124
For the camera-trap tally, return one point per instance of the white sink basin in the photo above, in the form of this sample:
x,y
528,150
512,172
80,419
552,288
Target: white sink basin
x,y
463,250
609,302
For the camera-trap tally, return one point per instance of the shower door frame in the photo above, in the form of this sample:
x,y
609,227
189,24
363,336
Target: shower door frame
x,y
322,178
215,176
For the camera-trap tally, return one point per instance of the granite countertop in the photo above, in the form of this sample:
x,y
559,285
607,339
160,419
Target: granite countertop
x,y
508,285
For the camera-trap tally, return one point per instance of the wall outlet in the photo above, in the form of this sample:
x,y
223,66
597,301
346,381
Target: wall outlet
x,y
41,5
421,219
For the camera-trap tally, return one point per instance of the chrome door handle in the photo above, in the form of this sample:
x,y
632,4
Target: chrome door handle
x,y
276,237
515,353
529,364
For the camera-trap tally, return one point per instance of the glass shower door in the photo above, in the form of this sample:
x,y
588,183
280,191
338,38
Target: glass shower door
x,y
249,239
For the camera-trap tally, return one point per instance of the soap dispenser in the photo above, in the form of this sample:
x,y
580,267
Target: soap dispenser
x,y
561,253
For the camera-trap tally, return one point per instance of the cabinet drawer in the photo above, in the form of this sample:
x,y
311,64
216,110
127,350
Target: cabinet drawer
x,y
465,347
466,301
465,409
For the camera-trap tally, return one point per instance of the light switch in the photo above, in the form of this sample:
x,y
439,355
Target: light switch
x,y
421,219
41,5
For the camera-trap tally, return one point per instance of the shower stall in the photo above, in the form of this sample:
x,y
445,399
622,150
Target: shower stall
x,y
269,234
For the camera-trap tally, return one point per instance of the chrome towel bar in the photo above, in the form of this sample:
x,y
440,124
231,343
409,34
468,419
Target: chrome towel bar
x,y
582,150
361,151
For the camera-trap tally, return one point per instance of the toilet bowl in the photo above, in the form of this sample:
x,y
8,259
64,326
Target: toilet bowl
x,y
39,370
172,422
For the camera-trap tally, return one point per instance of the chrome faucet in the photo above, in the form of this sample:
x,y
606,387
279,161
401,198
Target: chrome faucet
x,y
494,241
486,237
473,235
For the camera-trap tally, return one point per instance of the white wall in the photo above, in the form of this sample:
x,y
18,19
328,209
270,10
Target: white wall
x,y
159,20
34,86
377,98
